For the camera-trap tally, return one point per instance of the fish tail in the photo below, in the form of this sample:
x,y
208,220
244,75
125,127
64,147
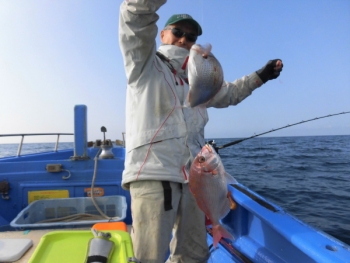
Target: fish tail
x,y
206,50
203,49
219,232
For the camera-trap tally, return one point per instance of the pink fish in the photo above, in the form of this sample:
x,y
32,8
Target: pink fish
x,y
208,184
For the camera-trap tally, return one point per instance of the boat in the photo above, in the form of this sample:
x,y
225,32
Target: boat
x,y
263,231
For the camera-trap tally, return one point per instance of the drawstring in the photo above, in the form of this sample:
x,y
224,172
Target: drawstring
x,y
184,65
172,69
166,61
175,79
182,83
184,173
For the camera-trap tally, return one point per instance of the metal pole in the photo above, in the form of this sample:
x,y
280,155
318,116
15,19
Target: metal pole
x,y
80,132
20,147
56,146
123,134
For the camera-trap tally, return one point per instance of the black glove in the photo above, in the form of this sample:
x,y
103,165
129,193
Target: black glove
x,y
269,72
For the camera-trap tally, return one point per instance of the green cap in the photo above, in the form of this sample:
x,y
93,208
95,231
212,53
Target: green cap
x,y
184,17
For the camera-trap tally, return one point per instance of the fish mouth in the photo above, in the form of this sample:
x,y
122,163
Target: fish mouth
x,y
210,166
209,148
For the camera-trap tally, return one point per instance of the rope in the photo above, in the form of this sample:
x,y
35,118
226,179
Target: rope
x,y
92,192
70,218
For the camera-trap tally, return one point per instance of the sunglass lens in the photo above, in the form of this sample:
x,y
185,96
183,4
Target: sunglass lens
x,y
191,38
179,33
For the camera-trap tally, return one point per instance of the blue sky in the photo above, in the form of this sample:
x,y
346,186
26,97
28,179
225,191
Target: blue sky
x,y
57,54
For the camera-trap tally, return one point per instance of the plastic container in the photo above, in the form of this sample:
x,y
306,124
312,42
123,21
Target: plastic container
x,y
72,247
37,213
110,226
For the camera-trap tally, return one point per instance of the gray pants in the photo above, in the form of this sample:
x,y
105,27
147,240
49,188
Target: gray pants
x,y
153,227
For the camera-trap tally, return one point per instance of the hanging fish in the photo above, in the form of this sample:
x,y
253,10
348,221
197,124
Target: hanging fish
x,y
208,184
205,75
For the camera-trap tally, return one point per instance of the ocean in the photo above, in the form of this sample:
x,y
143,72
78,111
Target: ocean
x,y
307,176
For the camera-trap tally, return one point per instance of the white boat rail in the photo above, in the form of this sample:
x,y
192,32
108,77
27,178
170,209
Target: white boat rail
x,y
34,134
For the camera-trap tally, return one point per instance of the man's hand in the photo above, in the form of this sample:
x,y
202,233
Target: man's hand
x,y
271,70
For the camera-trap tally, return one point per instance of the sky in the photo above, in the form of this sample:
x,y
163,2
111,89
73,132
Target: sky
x,y
58,54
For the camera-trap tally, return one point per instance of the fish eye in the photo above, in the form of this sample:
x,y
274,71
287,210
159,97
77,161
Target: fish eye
x,y
201,159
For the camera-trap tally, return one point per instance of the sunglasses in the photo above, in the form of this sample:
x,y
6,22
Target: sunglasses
x,y
179,34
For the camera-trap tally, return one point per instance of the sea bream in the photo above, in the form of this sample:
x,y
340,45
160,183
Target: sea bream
x,y
208,184
205,75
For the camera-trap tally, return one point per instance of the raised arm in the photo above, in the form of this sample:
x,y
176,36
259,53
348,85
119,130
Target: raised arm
x,y
137,33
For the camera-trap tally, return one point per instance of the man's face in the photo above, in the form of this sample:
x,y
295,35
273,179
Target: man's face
x,y
185,40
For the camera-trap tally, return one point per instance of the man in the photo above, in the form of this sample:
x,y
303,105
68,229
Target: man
x,y
162,136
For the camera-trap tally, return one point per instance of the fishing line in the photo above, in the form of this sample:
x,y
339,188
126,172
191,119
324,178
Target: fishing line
x,y
202,13
217,148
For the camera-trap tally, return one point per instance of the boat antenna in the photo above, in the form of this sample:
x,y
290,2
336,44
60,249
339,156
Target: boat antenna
x,y
289,125
103,129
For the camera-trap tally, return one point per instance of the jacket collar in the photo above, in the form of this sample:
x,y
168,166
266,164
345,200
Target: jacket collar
x,y
177,57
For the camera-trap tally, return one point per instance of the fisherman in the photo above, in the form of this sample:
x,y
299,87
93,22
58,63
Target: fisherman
x,y
162,136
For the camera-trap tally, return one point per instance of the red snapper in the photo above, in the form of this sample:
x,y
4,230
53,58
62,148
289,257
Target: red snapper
x,y
205,75
208,184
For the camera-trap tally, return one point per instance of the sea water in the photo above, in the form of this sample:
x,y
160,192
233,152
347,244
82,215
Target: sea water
x,y
309,177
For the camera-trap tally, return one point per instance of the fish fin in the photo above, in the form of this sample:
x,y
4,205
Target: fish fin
x,y
230,179
233,204
219,232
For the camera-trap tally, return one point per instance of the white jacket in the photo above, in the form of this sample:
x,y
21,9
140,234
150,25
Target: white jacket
x,y
162,137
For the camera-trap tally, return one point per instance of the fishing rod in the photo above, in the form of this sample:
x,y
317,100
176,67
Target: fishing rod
x,y
217,148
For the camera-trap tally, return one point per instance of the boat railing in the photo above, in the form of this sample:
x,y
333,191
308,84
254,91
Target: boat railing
x,y
34,134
